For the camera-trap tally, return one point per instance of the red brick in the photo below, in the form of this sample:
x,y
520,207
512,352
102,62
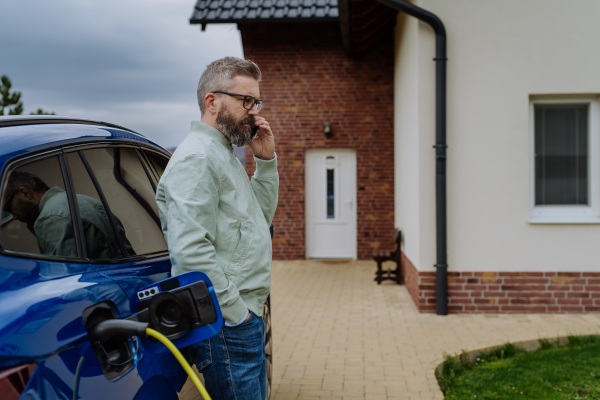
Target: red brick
x,y
486,274
592,288
488,308
532,274
460,300
485,301
522,287
571,309
523,308
529,294
591,274
591,309
509,274
524,281
569,274
458,293
568,301
475,287
494,294
578,295
491,280
559,287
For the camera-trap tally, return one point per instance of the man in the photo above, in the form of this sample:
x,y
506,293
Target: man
x,y
46,213
217,221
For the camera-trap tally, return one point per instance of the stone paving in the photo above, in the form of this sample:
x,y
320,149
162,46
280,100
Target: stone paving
x,y
339,335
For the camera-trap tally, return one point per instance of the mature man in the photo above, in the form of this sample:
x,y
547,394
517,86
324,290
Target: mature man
x,y
216,220
46,213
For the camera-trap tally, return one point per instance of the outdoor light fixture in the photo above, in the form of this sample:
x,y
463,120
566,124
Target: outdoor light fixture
x,y
327,130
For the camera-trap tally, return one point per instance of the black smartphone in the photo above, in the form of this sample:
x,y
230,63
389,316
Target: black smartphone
x,y
254,131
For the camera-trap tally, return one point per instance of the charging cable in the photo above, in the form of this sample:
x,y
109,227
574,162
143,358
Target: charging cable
x,y
107,329
169,345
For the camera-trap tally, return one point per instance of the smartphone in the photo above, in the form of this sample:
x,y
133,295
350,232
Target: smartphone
x,y
254,131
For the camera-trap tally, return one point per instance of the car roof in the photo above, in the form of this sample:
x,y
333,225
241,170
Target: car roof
x,y
26,133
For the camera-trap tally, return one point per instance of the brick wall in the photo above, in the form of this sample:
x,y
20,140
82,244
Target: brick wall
x,y
307,80
503,292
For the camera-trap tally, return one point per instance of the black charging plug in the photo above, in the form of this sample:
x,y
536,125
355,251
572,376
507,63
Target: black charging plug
x,y
110,328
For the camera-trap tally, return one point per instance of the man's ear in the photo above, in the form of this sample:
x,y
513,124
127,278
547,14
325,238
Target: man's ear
x,y
25,192
210,102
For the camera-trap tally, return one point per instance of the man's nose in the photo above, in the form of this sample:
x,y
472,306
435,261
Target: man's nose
x,y
253,110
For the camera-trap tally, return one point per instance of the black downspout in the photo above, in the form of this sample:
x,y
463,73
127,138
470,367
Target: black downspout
x,y
441,277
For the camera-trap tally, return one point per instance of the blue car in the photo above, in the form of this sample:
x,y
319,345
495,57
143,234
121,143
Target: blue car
x,y
79,226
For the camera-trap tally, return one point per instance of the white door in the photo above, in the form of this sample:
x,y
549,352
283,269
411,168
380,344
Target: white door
x,y
330,203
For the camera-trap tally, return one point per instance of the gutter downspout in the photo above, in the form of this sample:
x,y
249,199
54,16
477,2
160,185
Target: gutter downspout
x,y
441,275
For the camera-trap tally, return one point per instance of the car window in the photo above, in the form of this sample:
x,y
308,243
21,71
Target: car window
x,y
104,235
129,195
36,217
157,163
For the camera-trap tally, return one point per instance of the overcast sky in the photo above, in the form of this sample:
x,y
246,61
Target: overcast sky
x,y
133,63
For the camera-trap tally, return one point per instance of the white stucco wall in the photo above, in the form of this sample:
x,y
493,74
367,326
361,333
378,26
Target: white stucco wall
x,y
500,53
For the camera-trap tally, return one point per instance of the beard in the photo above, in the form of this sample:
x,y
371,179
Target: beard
x,y
29,213
237,132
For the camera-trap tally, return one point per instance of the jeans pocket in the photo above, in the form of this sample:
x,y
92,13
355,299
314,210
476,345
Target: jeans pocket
x,y
201,354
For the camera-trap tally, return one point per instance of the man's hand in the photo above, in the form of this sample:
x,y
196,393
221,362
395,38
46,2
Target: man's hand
x,y
263,144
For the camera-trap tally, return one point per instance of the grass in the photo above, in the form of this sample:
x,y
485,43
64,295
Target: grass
x,y
553,372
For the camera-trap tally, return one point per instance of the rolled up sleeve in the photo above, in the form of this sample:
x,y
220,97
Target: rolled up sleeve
x,y
265,184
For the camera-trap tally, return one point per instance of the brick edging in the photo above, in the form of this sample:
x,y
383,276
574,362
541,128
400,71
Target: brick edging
x,y
506,292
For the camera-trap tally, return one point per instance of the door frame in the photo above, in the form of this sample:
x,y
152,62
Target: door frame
x,y
308,204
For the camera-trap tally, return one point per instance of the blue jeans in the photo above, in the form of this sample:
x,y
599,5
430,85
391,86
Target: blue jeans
x,y
233,362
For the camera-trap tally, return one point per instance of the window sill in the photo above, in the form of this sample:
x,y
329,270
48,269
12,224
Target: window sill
x,y
564,220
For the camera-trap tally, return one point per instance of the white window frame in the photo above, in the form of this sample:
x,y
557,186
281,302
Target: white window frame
x,y
568,214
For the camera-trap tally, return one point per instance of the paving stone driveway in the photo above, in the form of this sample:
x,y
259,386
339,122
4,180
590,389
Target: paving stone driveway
x,y
339,335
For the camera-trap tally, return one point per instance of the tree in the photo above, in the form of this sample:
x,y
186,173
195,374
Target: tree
x,y
9,101
41,112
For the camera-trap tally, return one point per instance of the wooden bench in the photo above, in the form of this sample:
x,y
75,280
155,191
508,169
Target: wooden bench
x,y
380,256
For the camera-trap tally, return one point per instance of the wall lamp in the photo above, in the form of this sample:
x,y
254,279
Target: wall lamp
x,y
327,130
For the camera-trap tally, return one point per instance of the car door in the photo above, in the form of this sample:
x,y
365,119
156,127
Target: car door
x,y
123,180
46,283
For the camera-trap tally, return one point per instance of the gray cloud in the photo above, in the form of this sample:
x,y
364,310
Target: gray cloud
x,y
134,63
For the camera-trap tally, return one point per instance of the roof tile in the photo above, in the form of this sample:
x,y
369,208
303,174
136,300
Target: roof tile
x,y
209,11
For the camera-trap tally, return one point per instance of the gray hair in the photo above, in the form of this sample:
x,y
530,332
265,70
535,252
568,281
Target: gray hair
x,y
19,179
219,76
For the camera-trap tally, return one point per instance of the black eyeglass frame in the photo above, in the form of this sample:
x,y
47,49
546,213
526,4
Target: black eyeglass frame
x,y
256,102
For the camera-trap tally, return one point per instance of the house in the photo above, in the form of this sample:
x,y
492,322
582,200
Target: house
x,y
523,136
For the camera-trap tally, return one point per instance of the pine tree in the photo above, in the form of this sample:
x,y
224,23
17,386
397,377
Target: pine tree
x,y
41,112
9,101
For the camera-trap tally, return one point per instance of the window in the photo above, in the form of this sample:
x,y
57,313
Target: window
x,y
565,176
156,163
36,217
128,194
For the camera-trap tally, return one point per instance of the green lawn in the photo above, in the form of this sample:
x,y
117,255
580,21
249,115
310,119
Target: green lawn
x,y
553,373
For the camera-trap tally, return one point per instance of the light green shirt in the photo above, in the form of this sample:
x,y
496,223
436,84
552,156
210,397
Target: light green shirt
x,y
217,221
54,230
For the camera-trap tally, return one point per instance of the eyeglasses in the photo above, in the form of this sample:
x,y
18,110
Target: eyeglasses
x,y
249,101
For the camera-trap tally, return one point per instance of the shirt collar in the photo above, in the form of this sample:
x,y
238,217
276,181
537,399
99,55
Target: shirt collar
x,y
201,127
48,195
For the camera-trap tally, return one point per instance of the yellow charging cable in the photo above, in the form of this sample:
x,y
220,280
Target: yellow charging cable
x,y
160,337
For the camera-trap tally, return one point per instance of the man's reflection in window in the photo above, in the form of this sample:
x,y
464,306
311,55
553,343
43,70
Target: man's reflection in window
x,y
46,213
